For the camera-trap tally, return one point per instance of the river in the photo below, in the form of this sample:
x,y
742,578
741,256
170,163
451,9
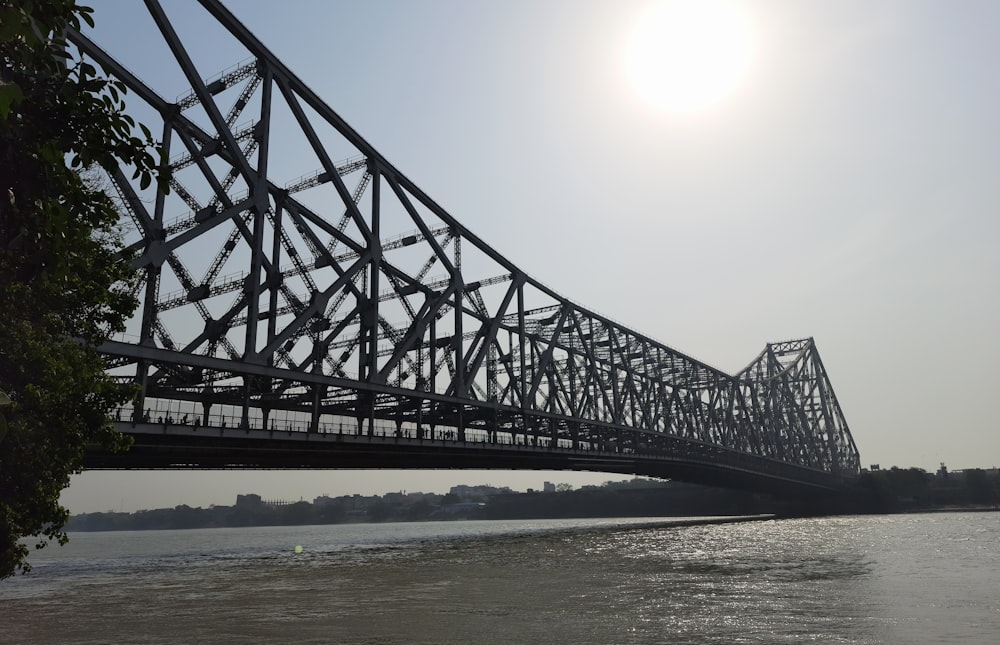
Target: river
x,y
929,578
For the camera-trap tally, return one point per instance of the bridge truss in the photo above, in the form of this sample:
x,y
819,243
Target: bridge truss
x,y
344,301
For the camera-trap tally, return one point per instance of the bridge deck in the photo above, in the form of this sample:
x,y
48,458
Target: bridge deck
x,y
160,446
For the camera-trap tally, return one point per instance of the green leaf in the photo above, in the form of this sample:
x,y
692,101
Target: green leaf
x,y
11,21
10,95
85,15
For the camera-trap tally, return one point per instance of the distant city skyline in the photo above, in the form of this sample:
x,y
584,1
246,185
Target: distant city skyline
x,y
843,189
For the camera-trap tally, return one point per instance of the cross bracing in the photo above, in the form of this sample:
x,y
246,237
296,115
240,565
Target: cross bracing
x,y
341,293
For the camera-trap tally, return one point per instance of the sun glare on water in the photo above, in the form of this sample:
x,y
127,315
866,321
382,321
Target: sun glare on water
x,y
684,56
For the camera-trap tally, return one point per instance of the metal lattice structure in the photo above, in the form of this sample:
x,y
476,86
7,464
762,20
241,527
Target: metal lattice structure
x,y
346,301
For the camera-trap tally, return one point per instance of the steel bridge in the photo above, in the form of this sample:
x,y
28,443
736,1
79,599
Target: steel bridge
x,y
340,318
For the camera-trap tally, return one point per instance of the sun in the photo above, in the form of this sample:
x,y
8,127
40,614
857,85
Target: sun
x,y
684,56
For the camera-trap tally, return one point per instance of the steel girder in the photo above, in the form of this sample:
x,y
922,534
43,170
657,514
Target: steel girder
x,y
346,293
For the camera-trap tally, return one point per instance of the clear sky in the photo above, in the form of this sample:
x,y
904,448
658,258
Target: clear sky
x,y
841,183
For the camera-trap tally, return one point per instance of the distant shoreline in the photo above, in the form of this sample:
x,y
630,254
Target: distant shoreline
x,y
627,499
888,492
972,508
654,521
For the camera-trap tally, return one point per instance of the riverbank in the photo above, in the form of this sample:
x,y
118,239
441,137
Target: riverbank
x,y
634,498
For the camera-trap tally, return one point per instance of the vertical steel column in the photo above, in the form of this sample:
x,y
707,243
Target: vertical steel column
x,y
371,315
523,375
825,410
151,293
459,386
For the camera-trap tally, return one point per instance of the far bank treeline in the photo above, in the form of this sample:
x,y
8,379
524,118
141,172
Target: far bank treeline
x,y
881,491
914,489
629,498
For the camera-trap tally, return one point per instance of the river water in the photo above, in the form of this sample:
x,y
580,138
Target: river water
x,y
932,578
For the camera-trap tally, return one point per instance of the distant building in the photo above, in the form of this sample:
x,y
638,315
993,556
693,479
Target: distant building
x,y
248,501
251,500
548,487
477,493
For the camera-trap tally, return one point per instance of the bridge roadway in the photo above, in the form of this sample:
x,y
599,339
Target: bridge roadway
x,y
160,445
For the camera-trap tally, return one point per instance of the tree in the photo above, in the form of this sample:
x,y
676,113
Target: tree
x,y
977,485
419,510
64,284
299,513
380,510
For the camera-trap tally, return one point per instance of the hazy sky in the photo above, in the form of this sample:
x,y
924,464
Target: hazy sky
x,y
846,189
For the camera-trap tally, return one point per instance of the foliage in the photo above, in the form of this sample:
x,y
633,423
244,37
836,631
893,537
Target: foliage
x,y
978,487
63,282
888,489
913,488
